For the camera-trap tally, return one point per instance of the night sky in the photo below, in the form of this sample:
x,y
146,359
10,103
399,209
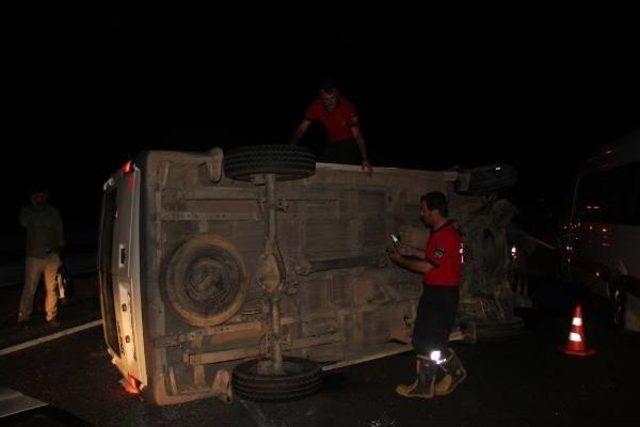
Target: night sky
x,y
434,90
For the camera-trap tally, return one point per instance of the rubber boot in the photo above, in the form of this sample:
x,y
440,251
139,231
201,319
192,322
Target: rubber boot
x,y
454,374
424,385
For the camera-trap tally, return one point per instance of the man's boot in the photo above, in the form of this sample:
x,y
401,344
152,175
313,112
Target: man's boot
x,y
423,386
454,374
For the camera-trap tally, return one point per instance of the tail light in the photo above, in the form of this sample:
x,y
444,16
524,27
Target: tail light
x,y
128,167
131,384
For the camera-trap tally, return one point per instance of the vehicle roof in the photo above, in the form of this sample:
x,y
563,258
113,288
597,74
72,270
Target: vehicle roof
x,y
616,153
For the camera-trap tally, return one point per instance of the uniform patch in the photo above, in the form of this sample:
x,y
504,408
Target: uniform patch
x,y
438,253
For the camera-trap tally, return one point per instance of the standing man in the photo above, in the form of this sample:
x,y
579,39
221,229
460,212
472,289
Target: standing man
x,y
439,370
345,143
44,241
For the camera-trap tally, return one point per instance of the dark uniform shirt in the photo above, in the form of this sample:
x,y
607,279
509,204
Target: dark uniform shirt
x,y
44,230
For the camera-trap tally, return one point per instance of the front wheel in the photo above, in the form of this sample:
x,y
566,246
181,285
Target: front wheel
x,y
300,378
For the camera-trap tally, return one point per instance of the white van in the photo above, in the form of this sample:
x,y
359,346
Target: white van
x,y
602,238
181,263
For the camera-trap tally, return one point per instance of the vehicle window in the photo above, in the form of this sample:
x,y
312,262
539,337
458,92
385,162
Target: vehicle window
x,y
610,196
589,200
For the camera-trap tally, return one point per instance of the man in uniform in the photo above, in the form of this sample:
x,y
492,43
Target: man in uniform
x,y
345,143
439,370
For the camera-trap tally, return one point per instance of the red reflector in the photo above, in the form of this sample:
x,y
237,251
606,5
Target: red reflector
x,y
132,385
128,167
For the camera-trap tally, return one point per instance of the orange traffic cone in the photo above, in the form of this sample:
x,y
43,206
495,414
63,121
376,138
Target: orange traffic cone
x,y
576,344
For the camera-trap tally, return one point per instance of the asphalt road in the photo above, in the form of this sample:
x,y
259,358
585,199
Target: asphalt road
x,y
524,382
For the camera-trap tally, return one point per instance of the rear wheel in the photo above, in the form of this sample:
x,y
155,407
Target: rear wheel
x,y
489,179
301,378
287,162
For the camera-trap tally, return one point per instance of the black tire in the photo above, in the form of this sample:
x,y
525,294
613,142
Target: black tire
x,y
279,398
287,162
490,179
302,378
205,281
266,386
499,330
264,390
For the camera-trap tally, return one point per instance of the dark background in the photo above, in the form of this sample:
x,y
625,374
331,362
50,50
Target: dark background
x,y
87,89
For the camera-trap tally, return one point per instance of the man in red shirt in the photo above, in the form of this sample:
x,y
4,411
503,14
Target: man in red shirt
x,y
439,369
340,120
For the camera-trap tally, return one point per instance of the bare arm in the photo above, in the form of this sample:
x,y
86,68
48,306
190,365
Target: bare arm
x,y
300,131
414,265
357,135
410,251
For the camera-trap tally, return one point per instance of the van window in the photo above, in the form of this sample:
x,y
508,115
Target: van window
x,y
109,208
589,200
610,196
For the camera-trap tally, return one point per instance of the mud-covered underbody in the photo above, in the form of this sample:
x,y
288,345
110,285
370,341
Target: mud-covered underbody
x,y
203,235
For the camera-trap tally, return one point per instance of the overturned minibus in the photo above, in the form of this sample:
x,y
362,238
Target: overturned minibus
x,y
209,261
